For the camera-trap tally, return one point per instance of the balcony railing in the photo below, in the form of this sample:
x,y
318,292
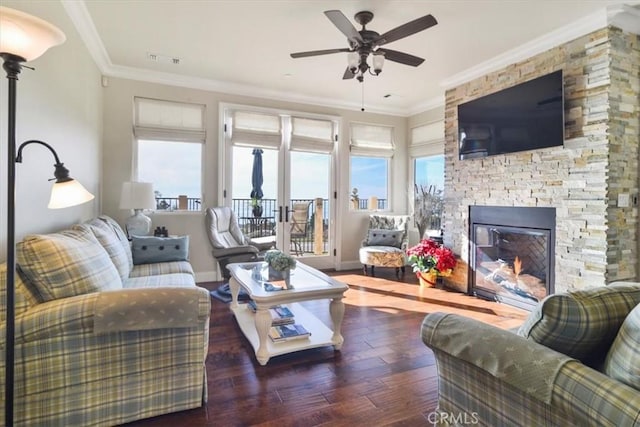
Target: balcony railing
x,y
315,238
314,241
177,203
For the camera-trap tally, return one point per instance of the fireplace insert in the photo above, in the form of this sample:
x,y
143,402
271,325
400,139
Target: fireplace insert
x,y
512,254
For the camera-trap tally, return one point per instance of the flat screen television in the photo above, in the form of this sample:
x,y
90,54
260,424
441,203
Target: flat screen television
x,y
524,117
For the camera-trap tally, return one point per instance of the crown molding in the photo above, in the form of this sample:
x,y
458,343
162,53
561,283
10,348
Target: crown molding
x,y
623,16
170,79
77,11
538,45
79,14
429,104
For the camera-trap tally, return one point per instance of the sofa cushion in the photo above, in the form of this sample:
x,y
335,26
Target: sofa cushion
x,y
112,225
380,237
161,268
623,359
582,324
159,249
174,280
111,243
68,263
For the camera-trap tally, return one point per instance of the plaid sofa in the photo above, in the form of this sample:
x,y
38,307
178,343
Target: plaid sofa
x,y
556,370
101,341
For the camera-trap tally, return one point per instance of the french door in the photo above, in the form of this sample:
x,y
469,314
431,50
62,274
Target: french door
x,y
298,180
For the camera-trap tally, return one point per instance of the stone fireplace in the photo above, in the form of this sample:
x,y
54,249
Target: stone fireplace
x,y
595,238
511,253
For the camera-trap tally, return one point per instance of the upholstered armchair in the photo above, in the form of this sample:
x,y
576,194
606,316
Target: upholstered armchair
x,y
385,243
228,243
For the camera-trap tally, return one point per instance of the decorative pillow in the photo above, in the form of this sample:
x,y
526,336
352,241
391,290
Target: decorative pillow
x,y
65,264
379,237
159,249
110,242
582,324
623,359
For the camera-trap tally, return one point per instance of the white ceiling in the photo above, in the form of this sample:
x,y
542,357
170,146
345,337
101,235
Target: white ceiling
x,y
243,46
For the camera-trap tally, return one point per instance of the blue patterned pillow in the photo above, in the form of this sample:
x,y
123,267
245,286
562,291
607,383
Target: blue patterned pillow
x,y
380,237
148,250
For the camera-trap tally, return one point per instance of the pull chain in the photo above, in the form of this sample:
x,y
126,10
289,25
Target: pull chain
x,y
362,106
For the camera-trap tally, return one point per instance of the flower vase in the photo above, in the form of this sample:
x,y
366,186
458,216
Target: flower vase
x,y
281,275
427,280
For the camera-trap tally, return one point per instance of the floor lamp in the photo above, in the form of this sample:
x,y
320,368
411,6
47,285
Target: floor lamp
x,y
24,38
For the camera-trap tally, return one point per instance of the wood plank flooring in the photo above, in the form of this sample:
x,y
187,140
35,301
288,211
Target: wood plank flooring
x,y
384,375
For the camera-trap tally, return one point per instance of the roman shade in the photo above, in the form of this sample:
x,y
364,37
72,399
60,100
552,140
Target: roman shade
x,y
156,119
312,135
256,130
371,140
427,139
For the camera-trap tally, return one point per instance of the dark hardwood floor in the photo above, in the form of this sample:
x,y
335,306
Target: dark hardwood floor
x,y
384,375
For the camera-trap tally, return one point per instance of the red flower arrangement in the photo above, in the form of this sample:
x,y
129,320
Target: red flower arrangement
x,y
432,258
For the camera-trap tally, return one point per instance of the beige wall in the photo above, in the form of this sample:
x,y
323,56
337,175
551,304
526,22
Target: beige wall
x,y
60,103
118,164
425,117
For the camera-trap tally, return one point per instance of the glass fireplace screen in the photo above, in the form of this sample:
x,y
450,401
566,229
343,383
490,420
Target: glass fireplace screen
x,y
511,264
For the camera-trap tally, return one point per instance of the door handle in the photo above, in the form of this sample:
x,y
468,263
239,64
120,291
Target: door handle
x,y
279,210
286,216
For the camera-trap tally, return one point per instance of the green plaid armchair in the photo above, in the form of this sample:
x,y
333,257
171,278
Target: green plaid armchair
x,y
101,341
574,362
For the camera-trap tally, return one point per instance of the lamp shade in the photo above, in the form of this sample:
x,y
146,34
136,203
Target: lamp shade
x,y
25,35
137,195
378,62
68,193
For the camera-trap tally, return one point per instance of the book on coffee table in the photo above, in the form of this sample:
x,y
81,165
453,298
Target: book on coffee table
x,y
288,332
280,315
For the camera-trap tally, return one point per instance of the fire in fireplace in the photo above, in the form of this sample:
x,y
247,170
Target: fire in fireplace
x,y
512,252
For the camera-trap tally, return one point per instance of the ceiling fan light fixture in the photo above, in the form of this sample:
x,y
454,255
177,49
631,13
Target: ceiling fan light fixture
x,y
352,61
378,62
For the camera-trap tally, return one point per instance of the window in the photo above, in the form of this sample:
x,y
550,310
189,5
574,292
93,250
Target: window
x,y
175,170
170,138
371,148
425,150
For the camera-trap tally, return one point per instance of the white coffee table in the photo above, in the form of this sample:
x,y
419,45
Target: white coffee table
x,y
308,284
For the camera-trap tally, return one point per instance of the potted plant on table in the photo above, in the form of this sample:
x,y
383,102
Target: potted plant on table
x,y
256,207
280,265
430,261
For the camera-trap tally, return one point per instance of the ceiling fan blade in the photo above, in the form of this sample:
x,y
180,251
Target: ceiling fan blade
x,y
344,25
318,52
405,30
401,57
348,74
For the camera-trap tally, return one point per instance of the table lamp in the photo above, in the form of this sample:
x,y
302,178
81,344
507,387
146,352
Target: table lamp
x,y
138,196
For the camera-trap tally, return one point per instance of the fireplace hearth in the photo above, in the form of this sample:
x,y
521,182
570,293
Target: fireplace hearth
x,y
511,253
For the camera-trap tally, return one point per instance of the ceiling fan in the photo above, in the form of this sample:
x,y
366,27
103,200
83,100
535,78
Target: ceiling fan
x,y
365,42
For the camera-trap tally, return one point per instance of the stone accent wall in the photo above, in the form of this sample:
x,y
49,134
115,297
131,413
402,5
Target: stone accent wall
x,y
596,242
